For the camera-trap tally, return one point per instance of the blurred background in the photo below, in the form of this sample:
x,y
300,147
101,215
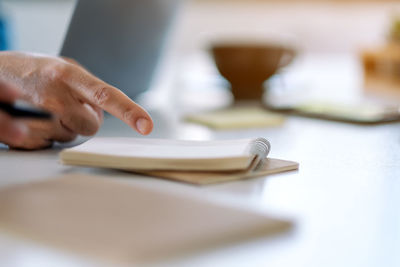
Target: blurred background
x,y
320,25
329,36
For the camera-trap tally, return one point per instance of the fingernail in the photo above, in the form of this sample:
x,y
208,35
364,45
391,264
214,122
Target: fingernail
x,y
143,125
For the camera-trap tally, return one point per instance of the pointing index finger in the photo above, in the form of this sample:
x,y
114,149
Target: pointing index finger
x,y
111,99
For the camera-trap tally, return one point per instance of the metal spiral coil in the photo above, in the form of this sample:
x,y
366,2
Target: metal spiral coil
x,y
260,147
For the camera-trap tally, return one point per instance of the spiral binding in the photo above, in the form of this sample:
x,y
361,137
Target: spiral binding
x,y
260,147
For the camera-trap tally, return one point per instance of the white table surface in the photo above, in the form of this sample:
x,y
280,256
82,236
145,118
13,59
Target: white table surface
x,y
344,200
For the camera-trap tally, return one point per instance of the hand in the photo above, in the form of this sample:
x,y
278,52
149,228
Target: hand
x,y
11,131
71,93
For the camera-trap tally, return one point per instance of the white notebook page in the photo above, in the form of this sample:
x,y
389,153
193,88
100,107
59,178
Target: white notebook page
x,y
163,148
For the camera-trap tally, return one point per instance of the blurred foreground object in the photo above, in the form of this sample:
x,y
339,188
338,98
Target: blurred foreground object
x,y
125,223
382,65
248,65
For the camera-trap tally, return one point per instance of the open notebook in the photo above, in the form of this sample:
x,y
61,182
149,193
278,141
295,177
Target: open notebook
x,y
126,223
199,162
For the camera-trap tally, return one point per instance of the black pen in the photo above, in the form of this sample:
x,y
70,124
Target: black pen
x,y
23,110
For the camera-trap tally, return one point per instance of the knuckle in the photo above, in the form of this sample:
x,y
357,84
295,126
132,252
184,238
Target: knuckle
x,y
128,115
92,131
101,96
88,128
54,104
66,134
79,125
58,71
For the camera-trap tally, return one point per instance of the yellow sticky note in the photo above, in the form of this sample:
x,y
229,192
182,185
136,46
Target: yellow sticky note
x,y
237,118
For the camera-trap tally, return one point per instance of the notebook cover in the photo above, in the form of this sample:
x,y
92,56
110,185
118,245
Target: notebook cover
x,y
270,166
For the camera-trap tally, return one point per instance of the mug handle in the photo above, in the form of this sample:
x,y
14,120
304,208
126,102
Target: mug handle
x,y
287,57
